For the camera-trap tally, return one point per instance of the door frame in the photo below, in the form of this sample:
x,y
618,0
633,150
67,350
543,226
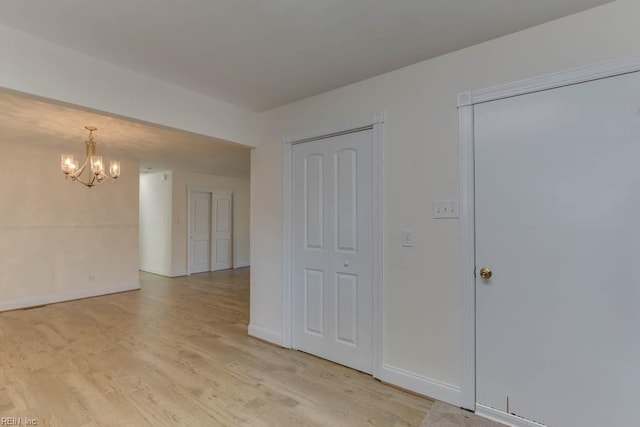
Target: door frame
x,y
466,102
374,122
211,190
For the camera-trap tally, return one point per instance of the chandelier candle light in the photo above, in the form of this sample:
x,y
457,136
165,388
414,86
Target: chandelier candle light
x,y
72,169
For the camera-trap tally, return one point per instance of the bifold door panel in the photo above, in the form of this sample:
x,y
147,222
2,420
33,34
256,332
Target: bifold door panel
x,y
332,248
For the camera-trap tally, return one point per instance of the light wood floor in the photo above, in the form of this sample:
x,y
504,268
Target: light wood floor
x,y
177,353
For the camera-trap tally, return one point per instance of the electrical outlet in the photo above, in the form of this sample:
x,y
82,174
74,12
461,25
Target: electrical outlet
x,y
445,209
407,238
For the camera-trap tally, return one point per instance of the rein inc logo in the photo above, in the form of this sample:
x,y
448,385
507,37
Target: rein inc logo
x,y
18,421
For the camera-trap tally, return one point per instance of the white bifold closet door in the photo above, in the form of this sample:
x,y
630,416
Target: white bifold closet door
x,y
222,225
558,224
200,233
332,248
211,231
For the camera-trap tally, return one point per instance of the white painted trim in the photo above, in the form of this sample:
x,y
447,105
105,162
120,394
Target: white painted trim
x,y
287,250
550,81
378,242
467,258
466,101
188,231
172,274
265,334
234,260
179,273
211,190
417,383
242,265
206,189
51,299
376,123
504,418
232,218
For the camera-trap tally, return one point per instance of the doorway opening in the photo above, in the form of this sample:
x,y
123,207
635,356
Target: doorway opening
x,y
210,226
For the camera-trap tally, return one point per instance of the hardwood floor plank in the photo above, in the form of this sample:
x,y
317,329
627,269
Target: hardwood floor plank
x,y
177,353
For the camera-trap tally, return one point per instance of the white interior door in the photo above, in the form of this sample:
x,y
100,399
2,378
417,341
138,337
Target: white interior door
x,y
558,223
332,248
200,232
222,228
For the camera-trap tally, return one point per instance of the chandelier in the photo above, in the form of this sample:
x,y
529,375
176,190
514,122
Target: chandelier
x,y
92,163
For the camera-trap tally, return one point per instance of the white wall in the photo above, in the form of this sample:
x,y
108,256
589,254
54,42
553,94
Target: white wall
x,y
58,239
421,284
35,66
240,187
156,204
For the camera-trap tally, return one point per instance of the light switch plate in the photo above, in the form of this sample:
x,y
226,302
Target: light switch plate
x,y
443,209
407,238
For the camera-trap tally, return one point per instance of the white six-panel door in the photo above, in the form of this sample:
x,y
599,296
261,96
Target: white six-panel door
x,y
558,224
332,248
210,230
200,232
222,206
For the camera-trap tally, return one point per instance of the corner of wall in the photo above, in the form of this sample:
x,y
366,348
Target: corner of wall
x,y
266,334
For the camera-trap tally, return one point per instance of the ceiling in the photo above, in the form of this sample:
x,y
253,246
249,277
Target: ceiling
x,y
260,54
256,54
30,121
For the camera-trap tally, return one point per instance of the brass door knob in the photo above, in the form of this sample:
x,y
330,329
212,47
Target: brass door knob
x,y
485,273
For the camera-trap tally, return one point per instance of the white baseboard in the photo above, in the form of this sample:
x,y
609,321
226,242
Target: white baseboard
x,y
163,273
422,385
241,265
154,271
50,299
265,334
179,273
504,418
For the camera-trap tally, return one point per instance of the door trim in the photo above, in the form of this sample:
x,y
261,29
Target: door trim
x,y
376,123
466,102
211,190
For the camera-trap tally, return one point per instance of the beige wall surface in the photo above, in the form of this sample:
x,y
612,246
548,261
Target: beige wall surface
x,y
58,239
421,284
